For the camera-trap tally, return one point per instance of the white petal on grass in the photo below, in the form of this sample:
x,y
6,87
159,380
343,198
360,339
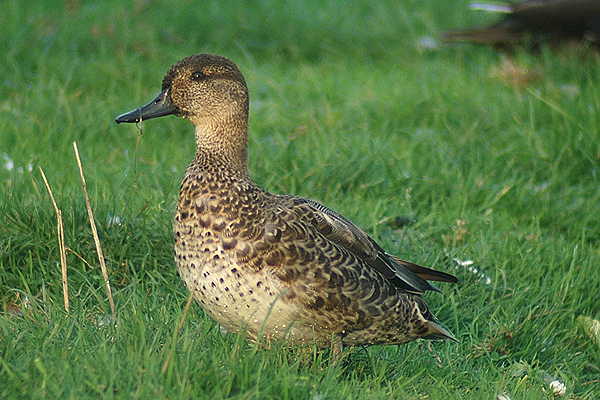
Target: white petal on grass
x,y
113,220
570,90
8,163
558,388
427,43
468,265
463,263
591,327
26,301
504,396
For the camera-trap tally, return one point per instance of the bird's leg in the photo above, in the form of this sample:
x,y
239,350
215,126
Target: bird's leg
x,y
337,348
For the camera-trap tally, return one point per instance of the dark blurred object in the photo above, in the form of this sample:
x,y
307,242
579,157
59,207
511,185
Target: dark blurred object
x,y
399,221
535,21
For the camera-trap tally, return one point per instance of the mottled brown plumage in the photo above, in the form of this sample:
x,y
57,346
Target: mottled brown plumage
x,y
276,266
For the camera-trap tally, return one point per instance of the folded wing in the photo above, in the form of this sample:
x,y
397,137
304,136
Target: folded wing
x,y
335,227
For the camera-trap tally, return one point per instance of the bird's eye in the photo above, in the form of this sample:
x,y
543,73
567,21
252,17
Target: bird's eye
x,y
198,76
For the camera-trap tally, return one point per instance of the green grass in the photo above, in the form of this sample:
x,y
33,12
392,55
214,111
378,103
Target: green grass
x,y
346,108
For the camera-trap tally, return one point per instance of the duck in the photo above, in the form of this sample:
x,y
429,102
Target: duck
x,y
532,22
273,266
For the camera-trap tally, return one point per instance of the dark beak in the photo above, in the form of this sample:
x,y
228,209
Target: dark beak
x,y
159,107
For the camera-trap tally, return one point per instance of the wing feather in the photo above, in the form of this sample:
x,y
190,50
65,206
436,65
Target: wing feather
x,y
335,227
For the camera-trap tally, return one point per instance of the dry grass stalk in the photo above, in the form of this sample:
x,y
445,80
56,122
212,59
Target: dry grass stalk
x,y
135,154
95,234
186,310
61,243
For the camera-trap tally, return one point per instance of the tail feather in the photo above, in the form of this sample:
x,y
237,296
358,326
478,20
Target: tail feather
x,y
425,273
436,332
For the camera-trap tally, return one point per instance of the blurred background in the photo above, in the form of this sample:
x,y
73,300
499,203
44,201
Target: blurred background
x,y
478,161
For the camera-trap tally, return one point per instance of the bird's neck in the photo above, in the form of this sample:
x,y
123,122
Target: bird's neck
x,y
222,150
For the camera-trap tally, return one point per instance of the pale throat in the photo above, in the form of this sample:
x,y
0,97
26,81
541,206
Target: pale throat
x,y
223,146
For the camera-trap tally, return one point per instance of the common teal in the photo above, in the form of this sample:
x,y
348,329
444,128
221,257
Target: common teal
x,y
276,266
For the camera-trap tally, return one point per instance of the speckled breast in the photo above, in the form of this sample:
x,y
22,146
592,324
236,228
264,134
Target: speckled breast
x,y
208,244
